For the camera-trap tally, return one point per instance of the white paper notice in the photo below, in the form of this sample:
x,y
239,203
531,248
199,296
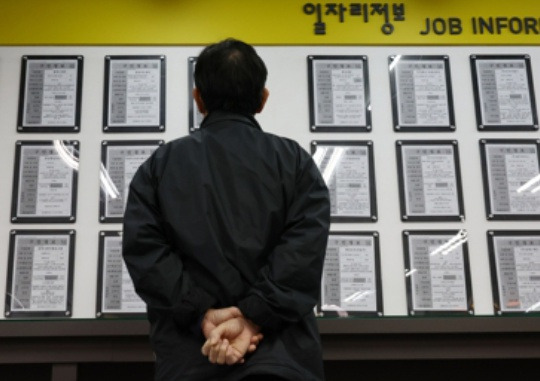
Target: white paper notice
x,y
430,180
504,92
348,94
54,187
520,168
509,167
51,93
122,163
49,278
349,275
357,271
448,280
346,172
440,187
527,260
118,294
517,261
422,93
339,93
131,165
437,276
135,93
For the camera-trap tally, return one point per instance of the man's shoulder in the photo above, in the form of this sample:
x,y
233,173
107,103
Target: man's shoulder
x,y
283,142
182,142
158,161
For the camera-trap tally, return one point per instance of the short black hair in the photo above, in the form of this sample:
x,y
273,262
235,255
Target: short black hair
x,y
230,77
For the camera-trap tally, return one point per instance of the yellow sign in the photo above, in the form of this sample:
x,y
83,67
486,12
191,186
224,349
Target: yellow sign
x,y
270,22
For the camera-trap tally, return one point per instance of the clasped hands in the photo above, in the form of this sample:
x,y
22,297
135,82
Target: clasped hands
x,y
229,336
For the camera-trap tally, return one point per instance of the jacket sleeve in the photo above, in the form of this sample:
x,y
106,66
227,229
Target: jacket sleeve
x,y
288,286
156,269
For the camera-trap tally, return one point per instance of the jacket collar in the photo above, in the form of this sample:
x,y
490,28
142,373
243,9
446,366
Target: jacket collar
x,y
223,116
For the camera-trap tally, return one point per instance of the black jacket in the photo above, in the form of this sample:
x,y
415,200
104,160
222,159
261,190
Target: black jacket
x,y
229,216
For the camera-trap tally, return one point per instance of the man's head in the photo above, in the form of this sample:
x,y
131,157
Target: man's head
x,y
230,76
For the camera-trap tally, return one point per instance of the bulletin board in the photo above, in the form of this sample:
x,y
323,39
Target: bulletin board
x,y
287,113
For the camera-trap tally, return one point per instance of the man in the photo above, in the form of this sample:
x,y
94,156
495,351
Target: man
x,y
225,233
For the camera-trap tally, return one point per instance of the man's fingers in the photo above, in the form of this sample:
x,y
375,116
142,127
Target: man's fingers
x,y
222,352
211,347
205,348
218,351
256,339
233,356
212,355
208,344
254,342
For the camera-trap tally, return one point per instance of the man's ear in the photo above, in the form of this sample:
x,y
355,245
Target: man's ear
x,y
198,100
265,95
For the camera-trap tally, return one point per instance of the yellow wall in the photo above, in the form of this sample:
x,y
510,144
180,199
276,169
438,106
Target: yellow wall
x,y
184,22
